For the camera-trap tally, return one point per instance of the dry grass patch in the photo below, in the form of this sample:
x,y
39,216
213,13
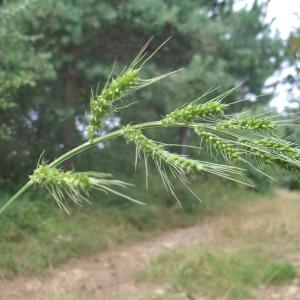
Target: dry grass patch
x,y
272,223
246,248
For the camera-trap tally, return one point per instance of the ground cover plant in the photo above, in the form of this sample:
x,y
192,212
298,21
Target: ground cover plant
x,y
36,236
250,253
224,245
218,273
240,140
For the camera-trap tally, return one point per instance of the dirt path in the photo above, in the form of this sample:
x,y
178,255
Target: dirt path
x,y
104,274
109,274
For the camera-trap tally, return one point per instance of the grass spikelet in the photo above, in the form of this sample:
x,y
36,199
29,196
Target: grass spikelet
x,y
226,148
75,185
256,145
280,146
103,103
273,151
251,123
194,112
179,166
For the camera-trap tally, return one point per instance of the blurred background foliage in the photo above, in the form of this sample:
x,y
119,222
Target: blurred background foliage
x,y
54,52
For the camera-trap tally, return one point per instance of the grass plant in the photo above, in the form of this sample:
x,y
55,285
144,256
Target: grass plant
x,y
240,141
218,273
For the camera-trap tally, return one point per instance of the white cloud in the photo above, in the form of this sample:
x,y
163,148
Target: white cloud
x,y
285,16
282,12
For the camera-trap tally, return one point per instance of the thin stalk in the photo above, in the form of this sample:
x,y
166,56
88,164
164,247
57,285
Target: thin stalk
x,y
101,139
76,151
16,195
88,145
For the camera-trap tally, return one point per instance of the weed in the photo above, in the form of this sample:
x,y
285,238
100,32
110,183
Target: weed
x,y
238,138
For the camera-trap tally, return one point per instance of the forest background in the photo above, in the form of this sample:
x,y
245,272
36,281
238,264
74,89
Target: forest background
x,y
52,53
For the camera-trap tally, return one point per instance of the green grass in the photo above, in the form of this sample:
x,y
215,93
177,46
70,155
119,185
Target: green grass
x,y
35,235
232,275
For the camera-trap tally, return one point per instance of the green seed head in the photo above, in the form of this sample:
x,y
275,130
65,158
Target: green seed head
x,y
178,164
273,152
47,176
254,124
102,104
226,148
73,185
127,82
193,112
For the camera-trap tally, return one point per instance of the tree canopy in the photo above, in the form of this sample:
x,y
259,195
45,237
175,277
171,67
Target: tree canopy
x,y
53,53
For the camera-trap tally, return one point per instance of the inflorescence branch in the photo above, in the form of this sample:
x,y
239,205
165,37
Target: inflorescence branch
x,y
237,139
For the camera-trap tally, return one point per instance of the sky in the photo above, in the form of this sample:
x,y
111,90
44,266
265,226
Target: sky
x,y
283,14
285,17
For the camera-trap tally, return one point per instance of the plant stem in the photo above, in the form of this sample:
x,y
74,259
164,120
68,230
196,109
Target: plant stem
x,y
76,151
16,195
98,140
86,146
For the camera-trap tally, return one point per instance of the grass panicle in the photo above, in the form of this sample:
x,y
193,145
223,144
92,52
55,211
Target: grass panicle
x,y
251,123
214,143
178,162
256,144
238,138
273,151
75,186
129,81
280,147
195,111
178,165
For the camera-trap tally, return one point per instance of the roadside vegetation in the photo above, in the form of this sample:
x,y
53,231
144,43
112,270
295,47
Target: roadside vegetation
x,y
254,248
70,125
218,274
246,250
36,236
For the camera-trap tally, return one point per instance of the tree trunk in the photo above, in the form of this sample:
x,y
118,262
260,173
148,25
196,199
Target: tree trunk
x,y
183,137
71,94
